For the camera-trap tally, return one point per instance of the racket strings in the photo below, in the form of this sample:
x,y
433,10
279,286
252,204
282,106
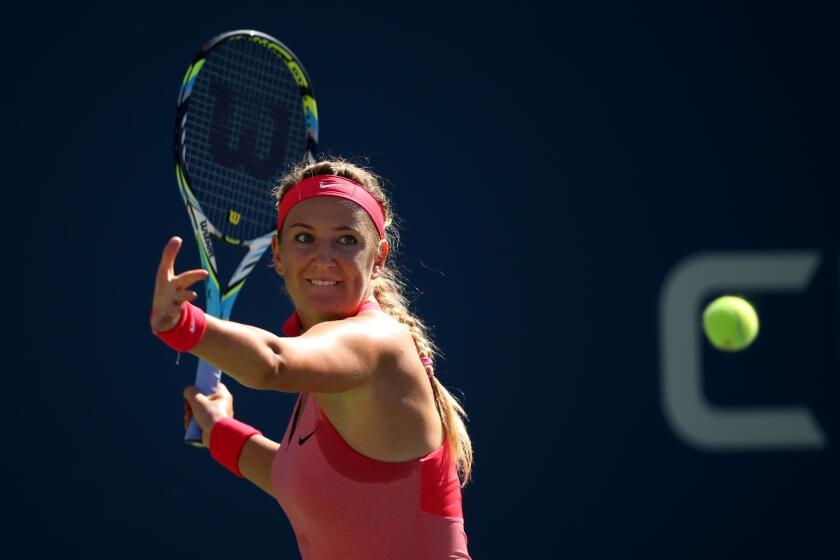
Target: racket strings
x,y
259,124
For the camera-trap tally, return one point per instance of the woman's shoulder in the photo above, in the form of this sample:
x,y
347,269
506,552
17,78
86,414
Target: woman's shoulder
x,y
380,326
391,339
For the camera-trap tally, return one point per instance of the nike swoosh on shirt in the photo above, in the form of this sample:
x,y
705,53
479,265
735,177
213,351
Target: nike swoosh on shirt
x,y
303,439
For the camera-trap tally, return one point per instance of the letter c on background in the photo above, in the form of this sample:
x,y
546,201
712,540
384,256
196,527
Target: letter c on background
x,y
692,418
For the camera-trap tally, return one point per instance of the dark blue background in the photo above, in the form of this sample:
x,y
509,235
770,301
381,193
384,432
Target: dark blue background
x,y
550,168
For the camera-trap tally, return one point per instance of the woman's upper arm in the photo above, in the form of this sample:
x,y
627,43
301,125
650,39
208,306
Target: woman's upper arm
x,y
335,356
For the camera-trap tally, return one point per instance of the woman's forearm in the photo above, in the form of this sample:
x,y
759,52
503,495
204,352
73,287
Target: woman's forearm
x,y
256,459
248,354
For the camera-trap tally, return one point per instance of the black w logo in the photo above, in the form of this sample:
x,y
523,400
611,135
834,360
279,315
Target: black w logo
x,y
234,128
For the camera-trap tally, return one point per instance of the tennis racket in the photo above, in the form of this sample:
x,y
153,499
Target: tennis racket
x,y
245,112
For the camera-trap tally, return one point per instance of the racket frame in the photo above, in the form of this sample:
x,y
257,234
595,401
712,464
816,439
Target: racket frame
x,y
220,303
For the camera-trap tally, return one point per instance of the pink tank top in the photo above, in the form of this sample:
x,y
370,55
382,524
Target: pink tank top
x,y
343,505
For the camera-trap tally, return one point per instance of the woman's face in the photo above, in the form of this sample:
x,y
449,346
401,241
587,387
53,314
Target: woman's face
x,y
328,253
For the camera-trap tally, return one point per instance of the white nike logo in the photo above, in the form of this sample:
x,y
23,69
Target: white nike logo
x,y
323,186
192,327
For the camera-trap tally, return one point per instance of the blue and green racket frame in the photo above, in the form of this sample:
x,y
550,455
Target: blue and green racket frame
x,y
246,112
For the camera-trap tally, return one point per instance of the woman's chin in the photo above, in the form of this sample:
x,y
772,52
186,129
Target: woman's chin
x,y
329,308
329,302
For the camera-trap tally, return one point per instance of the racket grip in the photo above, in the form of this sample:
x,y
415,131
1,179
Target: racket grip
x,y
207,380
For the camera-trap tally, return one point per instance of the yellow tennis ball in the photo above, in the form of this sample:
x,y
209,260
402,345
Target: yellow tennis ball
x,y
731,323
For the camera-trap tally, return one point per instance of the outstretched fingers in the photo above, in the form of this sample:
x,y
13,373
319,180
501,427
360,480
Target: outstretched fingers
x,y
166,268
188,278
172,290
181,296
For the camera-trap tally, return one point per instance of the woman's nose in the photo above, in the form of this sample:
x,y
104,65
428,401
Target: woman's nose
x,y
324,255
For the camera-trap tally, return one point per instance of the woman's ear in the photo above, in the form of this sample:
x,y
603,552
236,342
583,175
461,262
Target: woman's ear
x,y
275,255
381,257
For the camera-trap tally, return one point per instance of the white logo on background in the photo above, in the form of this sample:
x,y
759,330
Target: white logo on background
x,y
696,421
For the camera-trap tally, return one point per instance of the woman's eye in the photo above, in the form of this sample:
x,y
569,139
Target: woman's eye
x,y
347,240
303,237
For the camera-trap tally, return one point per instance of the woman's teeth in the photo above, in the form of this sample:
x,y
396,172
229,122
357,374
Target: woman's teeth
x,y
323,282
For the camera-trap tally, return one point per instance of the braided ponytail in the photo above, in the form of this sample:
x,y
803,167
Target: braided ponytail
x,y
388,293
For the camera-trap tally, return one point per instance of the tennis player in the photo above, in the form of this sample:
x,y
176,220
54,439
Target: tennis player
x,y
376,451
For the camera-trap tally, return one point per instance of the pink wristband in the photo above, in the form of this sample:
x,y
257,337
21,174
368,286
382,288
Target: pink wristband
x,y
227,438
189,330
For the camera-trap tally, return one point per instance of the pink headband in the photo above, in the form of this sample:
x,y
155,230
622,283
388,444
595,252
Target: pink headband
x,y
332,185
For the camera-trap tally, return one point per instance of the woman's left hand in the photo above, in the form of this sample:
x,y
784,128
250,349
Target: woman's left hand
x,y
207,409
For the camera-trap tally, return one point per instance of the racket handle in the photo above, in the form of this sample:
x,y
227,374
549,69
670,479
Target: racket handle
x,y
206,380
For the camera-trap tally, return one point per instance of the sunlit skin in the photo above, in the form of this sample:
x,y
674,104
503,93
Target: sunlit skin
x,y
363,369
333,240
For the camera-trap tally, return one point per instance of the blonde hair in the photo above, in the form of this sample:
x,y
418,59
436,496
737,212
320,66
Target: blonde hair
x,y
388,290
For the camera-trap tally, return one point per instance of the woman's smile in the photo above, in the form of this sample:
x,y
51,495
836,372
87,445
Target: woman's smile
x,y
326,255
